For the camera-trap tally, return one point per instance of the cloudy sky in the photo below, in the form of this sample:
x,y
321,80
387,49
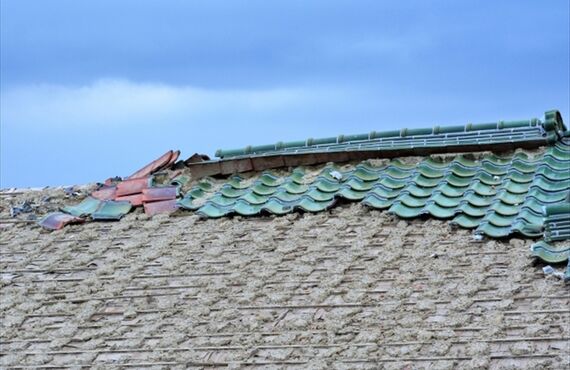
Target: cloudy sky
x,y
92,89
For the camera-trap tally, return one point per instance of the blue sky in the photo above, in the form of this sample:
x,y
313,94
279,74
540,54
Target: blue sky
x,y
92,89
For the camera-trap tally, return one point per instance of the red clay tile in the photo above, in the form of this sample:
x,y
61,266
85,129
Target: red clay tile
x,y
153,166
135,199
173,159
164,206
105,193
132,186
57,220
156,194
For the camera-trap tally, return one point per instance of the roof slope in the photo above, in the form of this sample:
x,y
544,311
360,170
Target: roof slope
x,y
349,288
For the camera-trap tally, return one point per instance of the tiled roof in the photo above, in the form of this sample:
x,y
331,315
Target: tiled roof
x,y
497,196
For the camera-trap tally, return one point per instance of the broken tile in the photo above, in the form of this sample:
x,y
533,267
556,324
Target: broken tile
x,y
57,220
164,206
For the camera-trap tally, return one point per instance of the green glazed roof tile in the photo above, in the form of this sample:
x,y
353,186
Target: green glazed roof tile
x,y
504,208
262,189
111,210
397,173
445,201
557,209
387,193
237,182
253,198
439,211
411,201
426,182
320,196
516,188
498,220
551,186
491,180
403,211
360,185
527,229
298,176
457,181
230,192
83,209
466,221
558,153
326,185
483,189
391,183
530,216
431,173
295,188
472,211
375,201
309,205
286,196
519,177
205,185
351,194
550,253
417,191
187,203
493,231
196,193
462,171
365,174
524,167
546,197
221,200
478,200
268,179
554,175
493,169
555,164
452,191
243,208
278,208
510,198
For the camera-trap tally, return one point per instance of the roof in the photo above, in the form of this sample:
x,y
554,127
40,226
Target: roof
x,y
449,260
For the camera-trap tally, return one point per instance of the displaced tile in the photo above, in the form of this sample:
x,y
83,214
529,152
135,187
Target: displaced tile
x,y
133,186
135,199
83,209
105,193
112,210
164,206
153,166
159,193
57,220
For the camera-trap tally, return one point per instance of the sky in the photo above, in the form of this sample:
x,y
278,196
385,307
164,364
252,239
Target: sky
x,y
97,88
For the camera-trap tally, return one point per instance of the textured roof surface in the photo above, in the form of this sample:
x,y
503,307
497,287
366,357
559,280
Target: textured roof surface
x,y
497,196
349,288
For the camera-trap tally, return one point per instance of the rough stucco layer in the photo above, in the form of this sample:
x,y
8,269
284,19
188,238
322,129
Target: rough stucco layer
x,y
349,288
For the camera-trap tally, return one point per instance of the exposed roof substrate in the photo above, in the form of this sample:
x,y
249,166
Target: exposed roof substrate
x,y
349,288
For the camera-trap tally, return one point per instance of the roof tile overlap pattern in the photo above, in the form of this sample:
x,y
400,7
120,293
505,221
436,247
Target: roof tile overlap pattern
x,y
496,196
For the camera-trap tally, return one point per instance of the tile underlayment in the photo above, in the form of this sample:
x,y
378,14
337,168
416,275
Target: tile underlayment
x,y
346,288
